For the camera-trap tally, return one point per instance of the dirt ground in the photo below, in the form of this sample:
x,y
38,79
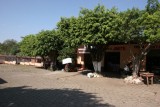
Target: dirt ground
x,y
27,86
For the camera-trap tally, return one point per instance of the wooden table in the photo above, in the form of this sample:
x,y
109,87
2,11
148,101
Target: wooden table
x,y
148,76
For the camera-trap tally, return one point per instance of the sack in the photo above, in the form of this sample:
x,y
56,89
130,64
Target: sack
x,y
126,68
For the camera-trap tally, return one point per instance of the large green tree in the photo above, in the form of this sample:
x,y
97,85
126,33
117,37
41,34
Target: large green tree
x,y
69,33
47,44
98,28
93,28
141,28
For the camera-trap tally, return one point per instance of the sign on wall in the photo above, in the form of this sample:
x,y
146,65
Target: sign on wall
x,y
119,48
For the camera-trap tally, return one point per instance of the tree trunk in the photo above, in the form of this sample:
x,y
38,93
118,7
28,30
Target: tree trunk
x,y
137,60
97,66
53,60
97,52
136,66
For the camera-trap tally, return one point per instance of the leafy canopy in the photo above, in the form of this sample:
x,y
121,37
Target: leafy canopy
x,y
47,43
9,47
98,26
27,45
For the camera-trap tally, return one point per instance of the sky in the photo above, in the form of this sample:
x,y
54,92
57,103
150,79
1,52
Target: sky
x,y
19,18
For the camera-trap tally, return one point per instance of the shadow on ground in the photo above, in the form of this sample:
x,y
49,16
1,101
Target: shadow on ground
x,y
85,72
26,97
112,75
104,74
2,81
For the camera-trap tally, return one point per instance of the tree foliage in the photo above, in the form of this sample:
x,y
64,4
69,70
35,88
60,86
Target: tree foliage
x,y
98,26
27,45
9,47
93,28
47,44
69,31
66,52
142,28
129,27
70,35
152,6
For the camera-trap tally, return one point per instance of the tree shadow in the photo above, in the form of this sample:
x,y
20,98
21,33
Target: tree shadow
x,y
2,81
156,79
112,75
27,97
85,72
104,74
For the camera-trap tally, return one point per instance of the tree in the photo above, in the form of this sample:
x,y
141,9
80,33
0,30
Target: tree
x,y
70,32
93,28
66,52
98,28
48,43
142,28
27,45
15,49
9,47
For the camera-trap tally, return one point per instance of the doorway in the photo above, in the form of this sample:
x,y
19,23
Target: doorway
x,y
88,61
112,62
153,61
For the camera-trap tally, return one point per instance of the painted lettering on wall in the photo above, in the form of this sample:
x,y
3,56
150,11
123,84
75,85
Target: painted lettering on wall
x,y
117,48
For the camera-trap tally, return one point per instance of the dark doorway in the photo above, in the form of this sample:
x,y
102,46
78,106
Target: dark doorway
x,y
88,61
153,61
112,62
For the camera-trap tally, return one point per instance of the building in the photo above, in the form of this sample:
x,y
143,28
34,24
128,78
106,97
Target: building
x,y
2,59
11,59
117,56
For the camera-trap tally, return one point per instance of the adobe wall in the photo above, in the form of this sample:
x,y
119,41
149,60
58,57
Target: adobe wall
x,y
126,53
